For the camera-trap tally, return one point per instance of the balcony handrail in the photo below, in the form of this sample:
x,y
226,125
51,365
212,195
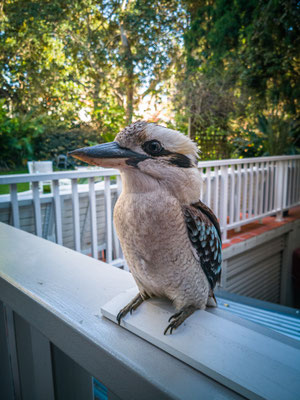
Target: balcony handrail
x,y
23,178
237,161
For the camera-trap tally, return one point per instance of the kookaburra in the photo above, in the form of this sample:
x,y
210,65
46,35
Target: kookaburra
x,y
170,239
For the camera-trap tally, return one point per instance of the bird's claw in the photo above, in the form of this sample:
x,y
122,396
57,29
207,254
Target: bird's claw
x,y
178,318
120,315
130,307
174,316
174,324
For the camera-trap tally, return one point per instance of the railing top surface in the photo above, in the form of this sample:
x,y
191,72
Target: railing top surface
x,y
21,178
60,292
236,161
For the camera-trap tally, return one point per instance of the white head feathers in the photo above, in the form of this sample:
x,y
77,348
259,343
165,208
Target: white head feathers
x,y
172,140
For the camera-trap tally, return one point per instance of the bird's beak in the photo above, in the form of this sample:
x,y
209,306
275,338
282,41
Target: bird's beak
x,y
109,155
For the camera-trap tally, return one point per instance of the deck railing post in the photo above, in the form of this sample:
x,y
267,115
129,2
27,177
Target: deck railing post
x,y
14,205
208,186
93,214
224,201
117,244
37,208
58,214
279,178
76,214
256,194
216,192
232,189
245,191
107,196
285,184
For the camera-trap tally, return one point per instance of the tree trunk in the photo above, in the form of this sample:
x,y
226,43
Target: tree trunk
x,y
129,95
128,65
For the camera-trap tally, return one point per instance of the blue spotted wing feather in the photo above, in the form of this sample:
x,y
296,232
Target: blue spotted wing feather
x,y
205,235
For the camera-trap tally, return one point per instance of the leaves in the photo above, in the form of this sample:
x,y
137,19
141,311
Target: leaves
x,y
242,59
216,64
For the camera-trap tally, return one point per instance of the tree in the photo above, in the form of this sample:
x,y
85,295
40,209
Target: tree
x,y
270,56
245,54
86,53
228,62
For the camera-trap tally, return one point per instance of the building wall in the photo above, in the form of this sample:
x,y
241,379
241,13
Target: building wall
x,y
261,267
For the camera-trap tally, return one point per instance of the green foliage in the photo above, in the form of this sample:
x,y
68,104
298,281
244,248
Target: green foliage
x,y
254,45
248,143
62,56
270,56
213,143
108,119
61,141
25,137
273,136
220,63
16,137
281,136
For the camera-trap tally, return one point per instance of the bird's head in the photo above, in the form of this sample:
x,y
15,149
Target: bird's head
x,y
141,143
145,148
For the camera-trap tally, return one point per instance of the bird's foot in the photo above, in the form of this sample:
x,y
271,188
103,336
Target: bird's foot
x,y
133,305
178,318
211,301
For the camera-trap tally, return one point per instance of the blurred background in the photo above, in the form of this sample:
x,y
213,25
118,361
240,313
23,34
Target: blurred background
x,y
74,73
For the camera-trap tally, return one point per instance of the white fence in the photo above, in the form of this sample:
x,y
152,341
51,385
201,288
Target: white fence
x,y
239,191
109,176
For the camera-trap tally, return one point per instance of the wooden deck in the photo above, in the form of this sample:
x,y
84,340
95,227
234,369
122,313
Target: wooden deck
x,y
260,227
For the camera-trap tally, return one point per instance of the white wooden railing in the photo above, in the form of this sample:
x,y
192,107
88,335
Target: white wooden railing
x,y
73,177
239,191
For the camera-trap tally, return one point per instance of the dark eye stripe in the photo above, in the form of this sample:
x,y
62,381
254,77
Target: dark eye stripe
x,y
180,160
154,148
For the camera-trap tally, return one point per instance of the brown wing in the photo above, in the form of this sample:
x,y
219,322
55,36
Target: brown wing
x,y
205,235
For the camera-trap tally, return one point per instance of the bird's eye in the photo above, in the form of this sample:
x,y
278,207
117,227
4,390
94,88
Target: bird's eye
x,y
152,147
